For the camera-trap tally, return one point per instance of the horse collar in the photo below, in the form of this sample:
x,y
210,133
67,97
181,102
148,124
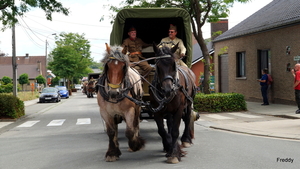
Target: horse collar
x,y
114,86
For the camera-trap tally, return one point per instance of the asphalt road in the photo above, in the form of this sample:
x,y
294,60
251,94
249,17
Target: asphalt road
x,y
70,134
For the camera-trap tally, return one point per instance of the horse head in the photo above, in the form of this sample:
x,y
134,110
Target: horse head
x,y
166,68
115,68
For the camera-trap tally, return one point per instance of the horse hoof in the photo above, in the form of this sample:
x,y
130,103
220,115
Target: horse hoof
x,y
172,160
195,115
111,158
186,144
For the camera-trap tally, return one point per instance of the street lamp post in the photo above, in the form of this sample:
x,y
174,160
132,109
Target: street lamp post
x,y
46,54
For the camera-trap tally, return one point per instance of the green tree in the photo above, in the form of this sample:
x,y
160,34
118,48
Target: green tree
x,y
97,65
55,81
10,10
23,79
40,79
201,11
71,58
6,80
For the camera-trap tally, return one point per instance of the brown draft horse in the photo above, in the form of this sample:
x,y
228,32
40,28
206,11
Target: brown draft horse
x,y
171,97
90,89
117,87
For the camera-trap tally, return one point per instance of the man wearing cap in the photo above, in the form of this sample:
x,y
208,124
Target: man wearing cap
x,y
173,40
133,47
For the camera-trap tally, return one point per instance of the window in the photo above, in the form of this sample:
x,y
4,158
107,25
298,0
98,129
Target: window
x,y
263,61
241,69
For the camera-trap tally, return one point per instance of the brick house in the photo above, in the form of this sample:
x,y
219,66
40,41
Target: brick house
x,y
269,38
32,65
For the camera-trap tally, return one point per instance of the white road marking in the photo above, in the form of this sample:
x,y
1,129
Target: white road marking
x,y
3,124
29,123
58,122
245,115
219,117
83,121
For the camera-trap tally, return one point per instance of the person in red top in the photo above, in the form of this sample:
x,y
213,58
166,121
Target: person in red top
x,y
296,74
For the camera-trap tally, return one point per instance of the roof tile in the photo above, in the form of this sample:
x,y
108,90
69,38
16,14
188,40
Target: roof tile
x,y
276,14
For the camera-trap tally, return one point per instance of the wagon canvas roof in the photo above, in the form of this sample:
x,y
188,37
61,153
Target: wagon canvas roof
x,y
152,25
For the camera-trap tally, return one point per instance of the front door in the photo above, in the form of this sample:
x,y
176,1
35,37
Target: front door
x,y
223,74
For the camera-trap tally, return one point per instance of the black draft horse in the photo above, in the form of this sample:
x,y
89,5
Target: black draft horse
x,y
171,97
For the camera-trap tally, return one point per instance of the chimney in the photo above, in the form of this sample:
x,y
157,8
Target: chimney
x,y
215,27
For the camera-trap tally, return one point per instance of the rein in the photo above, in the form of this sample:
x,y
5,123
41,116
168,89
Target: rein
x,y
158,57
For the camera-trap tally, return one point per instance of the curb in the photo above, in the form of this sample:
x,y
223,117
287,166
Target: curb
x,y
252,133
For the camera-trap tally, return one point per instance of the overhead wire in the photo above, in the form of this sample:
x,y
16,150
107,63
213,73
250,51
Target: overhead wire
x,y
42,24
37,44
37,31
30,29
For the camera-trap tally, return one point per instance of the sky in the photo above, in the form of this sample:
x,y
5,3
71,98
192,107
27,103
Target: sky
x,y
34,30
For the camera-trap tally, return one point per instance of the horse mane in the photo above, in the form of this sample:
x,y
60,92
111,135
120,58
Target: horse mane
x,y
114,52
164,50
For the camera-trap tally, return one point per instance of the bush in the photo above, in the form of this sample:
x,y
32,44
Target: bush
x,y
11,106
6,80
8,88
219,102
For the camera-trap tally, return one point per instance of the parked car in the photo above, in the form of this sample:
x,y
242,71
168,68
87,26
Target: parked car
x,y
78,87
63,91
49,94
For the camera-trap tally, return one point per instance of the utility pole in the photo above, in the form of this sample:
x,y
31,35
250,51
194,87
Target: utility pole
x,y
46,54
14,61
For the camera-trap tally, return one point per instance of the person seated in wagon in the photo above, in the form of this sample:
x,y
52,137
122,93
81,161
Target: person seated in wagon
x,y
133,47
172,40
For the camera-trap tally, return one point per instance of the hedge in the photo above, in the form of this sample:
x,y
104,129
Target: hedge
x,y
219,102
11,106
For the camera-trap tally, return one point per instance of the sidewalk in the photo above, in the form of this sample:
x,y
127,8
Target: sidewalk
x,y
31,102
288,128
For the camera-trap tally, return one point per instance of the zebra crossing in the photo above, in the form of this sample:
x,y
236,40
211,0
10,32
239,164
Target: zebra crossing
x,y
52,123
87,121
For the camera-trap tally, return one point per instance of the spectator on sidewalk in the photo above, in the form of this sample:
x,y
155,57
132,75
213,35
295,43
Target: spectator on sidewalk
x,y
264,86
296,74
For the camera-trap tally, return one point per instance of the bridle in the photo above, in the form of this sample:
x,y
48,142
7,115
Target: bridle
x,y
158,91
122,89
